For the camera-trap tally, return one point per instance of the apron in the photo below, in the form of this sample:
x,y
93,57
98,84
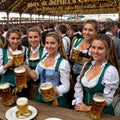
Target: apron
x,y
50,75
88,93
79,58
33,85
9,76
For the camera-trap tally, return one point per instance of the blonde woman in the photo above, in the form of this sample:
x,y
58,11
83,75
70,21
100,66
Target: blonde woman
x,y
54,68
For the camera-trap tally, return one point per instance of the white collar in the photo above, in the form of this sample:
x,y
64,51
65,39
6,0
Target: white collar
x,y
63,35
11,50
56,57
36,50
102,66
108,33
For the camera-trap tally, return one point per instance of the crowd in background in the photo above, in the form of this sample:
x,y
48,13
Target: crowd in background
x,y
49,55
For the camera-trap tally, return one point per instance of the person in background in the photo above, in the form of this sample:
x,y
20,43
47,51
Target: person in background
x,y
24,36
62,30
51,27
33,55
74,33
5,29
118,30
44,33
68,30
100,74
53,68
102,28
82,45
111,29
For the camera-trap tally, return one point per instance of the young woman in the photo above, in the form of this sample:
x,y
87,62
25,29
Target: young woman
x,y
12,43
80,52
53,68
100,74
33,55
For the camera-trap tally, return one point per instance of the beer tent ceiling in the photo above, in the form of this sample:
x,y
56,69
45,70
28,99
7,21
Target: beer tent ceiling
x,y
59,7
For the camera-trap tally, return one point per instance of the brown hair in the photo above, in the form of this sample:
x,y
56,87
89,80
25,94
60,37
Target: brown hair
x,y
1,43
12,30
92,22
34,29
59,39
111,57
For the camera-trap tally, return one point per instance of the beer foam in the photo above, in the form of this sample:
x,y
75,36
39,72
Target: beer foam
x,y
4,86
99,99
19,70
46,86
22,101
17,52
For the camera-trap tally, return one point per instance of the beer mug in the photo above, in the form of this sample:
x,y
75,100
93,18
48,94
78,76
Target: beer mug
x,y
22,105
47,91
21,79
97,106
20,75
6,95
18,58
74,55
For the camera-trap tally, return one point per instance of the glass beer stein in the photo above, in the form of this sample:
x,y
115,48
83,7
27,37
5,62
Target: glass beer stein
x,y
47,91
6,95
97,106
23,108
18,58
21,79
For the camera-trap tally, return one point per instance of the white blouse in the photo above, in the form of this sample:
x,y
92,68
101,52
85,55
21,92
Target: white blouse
x,y
2,71
64,69
32,51
110,81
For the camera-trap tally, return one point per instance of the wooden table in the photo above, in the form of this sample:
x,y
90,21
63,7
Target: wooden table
x,y
47,111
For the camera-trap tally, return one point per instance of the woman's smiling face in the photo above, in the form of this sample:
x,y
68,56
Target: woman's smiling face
x,y
51,45
14,40
89,31
34,39
98,50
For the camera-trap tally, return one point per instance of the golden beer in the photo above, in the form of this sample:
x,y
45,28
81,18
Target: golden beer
x,y
97,106
22,105
5,93
20,75
74,55
18,58
47,91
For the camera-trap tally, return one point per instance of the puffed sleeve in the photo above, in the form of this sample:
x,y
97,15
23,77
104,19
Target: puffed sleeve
x,y
78,95
111,82
2,71
64,69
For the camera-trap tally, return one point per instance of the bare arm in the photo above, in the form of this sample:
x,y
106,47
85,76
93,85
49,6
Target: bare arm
x,y
33,75
8,64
